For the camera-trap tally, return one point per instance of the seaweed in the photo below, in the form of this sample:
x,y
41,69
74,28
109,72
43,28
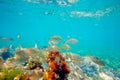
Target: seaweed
x,y
57,65
10,74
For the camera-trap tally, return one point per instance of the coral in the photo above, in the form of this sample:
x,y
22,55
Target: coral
x,y
57,64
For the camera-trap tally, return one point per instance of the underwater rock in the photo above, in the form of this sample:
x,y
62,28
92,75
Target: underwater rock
x,y
5,53
4,49
97,60
90,70
115,73
76,73
20,54
33,63
94,61
49,64
74,58
1,62
74,61
36,74
27,52
105,77
30,51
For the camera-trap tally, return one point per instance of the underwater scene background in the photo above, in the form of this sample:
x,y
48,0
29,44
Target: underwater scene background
x,y
95,24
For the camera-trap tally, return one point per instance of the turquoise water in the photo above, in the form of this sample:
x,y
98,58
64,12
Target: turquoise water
x,y
96,24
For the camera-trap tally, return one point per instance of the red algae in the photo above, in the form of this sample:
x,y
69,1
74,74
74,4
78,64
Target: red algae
x,y
59,66
50,75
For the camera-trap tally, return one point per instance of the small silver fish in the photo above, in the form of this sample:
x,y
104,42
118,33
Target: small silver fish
x,y
65,46
72,41
53,48
56,39
6,39
51,43
97,60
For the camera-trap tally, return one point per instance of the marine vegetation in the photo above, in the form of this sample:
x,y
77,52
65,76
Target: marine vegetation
x,y
58,65
10,74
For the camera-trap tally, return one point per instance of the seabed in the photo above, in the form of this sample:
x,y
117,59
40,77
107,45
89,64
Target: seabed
x,y
52,63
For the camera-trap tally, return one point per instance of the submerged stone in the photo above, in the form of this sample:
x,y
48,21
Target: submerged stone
x,y
97,60
6,55
90,70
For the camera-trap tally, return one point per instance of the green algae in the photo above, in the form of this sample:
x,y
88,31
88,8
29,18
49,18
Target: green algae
x,y
10,74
